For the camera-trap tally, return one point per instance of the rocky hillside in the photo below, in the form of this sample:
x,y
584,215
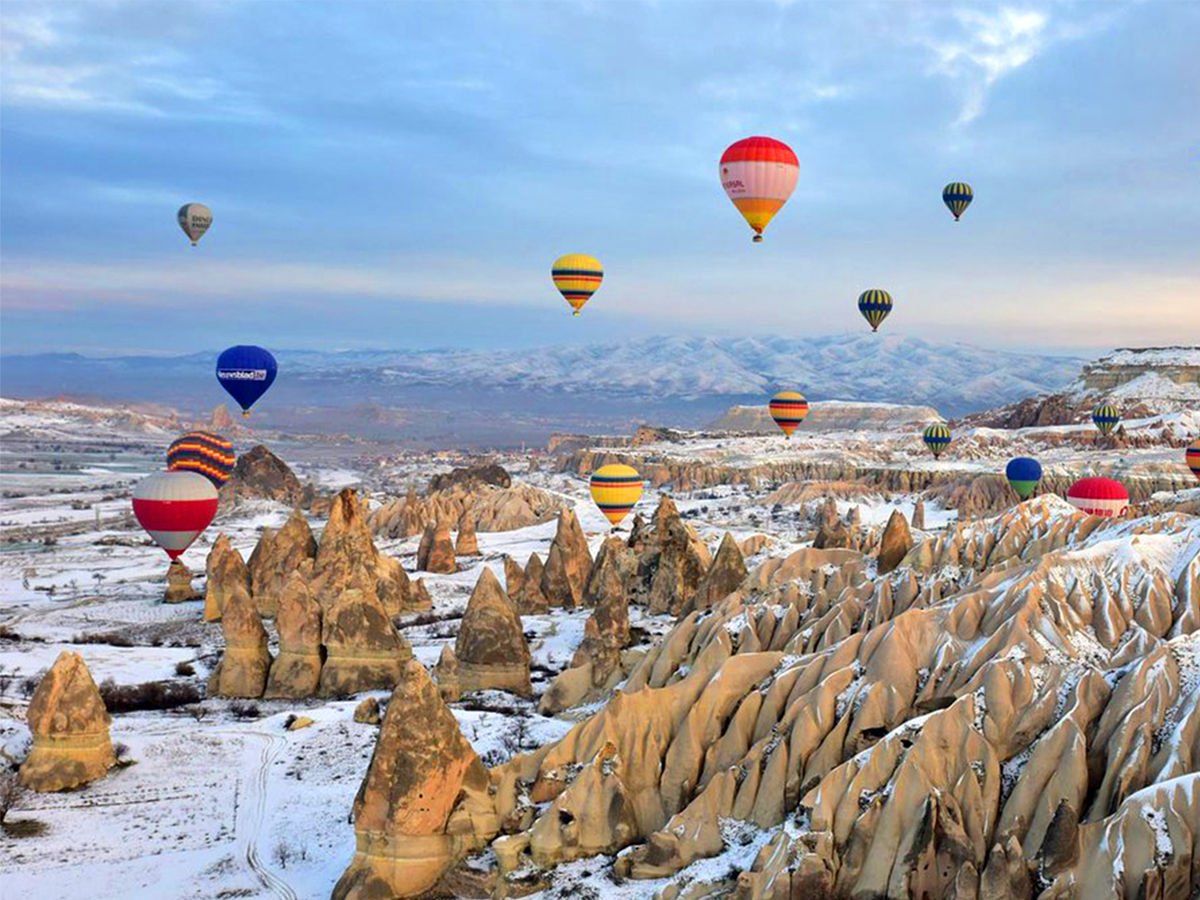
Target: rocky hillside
x,y
830,415
1141,382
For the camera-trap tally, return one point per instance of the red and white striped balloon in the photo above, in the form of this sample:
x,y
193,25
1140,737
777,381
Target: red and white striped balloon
x,y
174,507
1099,497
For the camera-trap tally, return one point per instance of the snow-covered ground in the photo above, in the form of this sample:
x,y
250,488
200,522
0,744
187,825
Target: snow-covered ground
x,y
224,801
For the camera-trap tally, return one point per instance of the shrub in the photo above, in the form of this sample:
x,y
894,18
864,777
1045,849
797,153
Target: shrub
x,y
119,698
243,710
183,669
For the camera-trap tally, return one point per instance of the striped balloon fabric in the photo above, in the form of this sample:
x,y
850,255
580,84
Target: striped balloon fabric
x,y
1106,416
1099,497
577,276
875,305
758,175
204,452
937,438
174,507
957,196
1192,455
616,489
788,409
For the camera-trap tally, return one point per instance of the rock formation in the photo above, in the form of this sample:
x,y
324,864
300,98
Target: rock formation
x,y
424,801
466,544
596,666
514,577
296,671
486,473
567,564
348,559
276,556
421,598
71,744
1013,710
529,600
682,561
728,570
367,712
363,650
242,671
261,475
436,552
918,516
179,584
491,508
897,541
224,568
490,651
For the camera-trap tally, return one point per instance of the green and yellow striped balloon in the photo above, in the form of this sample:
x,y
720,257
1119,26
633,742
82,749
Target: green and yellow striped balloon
x,y
1106,417
937,438
875,305
957,196
616,489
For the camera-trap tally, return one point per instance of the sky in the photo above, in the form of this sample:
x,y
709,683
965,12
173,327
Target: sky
x,y
402,174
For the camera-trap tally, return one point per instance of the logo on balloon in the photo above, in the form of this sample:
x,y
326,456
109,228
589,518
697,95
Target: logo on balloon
x,y
243,374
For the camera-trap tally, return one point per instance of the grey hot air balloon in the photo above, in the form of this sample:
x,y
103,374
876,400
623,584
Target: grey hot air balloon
x,y
194,219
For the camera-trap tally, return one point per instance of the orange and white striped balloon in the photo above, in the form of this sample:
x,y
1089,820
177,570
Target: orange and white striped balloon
x,y
759,174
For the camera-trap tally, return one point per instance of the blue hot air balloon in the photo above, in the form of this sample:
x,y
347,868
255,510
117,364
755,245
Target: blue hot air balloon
x,y
246,371
1023,473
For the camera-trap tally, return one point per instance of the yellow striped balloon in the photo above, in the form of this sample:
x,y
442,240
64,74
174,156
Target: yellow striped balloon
x,y
957,196
616,489
1106,417
788,409
577,276
875,305
937,438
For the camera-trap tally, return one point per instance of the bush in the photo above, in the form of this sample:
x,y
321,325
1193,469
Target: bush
x,y
112,638
10,790
243,710
119,698
183,669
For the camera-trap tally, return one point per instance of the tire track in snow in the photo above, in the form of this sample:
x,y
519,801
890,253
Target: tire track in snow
x,y
252,813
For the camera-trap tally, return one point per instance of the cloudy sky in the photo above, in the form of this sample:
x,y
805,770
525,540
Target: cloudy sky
x,y
401,174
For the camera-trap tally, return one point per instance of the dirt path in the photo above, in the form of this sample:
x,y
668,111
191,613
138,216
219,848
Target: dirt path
x,y
251,813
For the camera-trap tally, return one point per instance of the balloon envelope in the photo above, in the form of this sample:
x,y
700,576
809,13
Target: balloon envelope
x,y
758,175
788,409
1105,417
937,438
1099,497
202,452
957,196
616,489
174,507
1192,456
246,371
1023,473
875,305
577,276
194,219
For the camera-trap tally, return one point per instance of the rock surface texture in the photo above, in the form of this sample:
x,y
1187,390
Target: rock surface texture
x,y
66,715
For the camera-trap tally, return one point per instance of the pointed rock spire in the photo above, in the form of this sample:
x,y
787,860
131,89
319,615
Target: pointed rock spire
x,y
179,584
568,563
514,577
422,770
296,671
364,652
530,601
467,543
276,556
242,671
727,571
436,551
69,723
347,558
490,649
223,569
897,541
918,516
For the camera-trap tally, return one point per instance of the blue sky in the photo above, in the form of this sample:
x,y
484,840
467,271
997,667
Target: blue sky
x,y
387,174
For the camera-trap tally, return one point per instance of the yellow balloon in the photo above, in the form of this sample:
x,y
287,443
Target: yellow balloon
x,y
577,276
616,489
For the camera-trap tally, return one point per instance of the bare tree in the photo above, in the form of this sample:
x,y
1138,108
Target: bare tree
x,y
10,790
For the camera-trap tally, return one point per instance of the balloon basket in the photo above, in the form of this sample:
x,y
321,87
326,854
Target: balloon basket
x,y
245,413
575,313
758,239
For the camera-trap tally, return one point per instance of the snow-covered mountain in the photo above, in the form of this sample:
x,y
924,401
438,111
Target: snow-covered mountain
x,y
703,372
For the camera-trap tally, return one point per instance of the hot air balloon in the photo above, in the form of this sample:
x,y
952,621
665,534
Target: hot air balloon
x,y
875,305
577,276
246,371
759,174
615,489
937,438
204,452
1106,416
174,507
788,409
194,219
1099,497
1023,475
1192,455
957,196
